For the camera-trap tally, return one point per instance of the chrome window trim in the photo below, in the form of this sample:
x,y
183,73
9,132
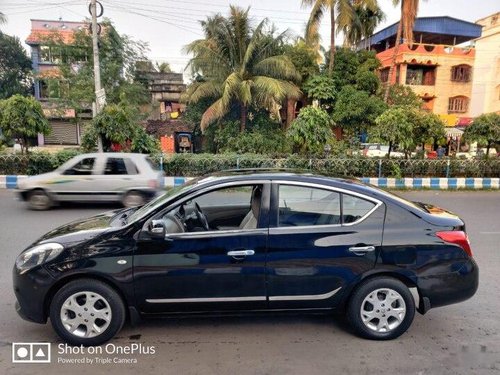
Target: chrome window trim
x,y
377,202
215,233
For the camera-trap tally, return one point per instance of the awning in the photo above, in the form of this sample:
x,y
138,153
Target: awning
x,y
453,132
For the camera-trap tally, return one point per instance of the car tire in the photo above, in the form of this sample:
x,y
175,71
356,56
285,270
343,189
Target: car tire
x,y
133,198
381,308
87,312
39,200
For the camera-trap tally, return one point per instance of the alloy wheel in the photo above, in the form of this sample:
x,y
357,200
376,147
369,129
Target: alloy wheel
x,y
383,310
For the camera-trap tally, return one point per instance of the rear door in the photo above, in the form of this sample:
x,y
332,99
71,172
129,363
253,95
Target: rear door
x,y
320,241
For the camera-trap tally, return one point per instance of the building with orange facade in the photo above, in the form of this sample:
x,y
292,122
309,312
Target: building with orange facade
x,y
438,66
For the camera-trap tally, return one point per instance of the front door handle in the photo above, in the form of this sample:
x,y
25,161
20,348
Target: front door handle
x,y
240,253
361,250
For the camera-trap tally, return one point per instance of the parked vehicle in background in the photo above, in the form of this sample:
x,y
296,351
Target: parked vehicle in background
x,y
101,177
244,242
374,150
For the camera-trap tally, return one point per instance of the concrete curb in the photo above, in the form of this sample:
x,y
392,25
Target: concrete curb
x,y
10,182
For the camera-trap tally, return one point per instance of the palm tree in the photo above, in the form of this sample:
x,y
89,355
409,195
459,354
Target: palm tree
x,y
409,10
164,67
363,24
3,18
240,65
341,15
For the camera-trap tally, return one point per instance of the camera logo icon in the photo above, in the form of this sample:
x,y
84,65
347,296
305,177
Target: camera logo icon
x,y
31,352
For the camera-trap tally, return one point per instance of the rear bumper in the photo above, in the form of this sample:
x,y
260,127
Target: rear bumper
x,y
448,288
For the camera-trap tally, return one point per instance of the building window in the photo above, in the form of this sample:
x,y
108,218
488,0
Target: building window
x,y
458,104
384,75
421,75
461,73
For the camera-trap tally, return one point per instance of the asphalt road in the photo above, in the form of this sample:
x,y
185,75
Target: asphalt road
x,y
457,339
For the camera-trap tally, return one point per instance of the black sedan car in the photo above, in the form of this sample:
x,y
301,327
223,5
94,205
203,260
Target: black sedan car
x,y
248,242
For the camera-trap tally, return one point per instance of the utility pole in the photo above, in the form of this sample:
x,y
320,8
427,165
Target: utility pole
x,y
99,92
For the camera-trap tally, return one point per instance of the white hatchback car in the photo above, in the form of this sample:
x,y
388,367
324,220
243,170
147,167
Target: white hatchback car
x,y
130,179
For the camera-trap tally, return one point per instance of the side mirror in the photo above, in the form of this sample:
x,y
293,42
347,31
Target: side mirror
x,y
157,229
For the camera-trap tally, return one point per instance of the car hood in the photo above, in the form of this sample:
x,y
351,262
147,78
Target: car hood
x,y
79,230
41,179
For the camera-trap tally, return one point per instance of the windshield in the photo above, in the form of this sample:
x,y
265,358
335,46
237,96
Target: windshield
x,y
155,203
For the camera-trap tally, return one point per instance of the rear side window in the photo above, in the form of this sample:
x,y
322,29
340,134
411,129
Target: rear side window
x,y
115,166
354,208
305,206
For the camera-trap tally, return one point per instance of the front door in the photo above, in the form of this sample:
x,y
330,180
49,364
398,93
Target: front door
x,y
321,240
199,269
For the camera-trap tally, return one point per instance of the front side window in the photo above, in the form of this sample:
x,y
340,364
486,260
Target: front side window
x,y
305,206
82,168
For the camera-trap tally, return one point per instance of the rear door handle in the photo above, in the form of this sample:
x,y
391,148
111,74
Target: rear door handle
x,y
361,250
240,253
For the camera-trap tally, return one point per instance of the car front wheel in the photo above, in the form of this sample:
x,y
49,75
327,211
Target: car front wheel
x,y
381,309
39,200
87,312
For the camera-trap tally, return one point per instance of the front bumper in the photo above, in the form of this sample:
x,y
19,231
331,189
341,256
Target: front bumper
x,y
448,288
31,290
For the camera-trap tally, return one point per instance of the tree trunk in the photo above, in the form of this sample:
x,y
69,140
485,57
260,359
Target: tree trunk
x,y
394,55
243,120
332,40
488,149
390,148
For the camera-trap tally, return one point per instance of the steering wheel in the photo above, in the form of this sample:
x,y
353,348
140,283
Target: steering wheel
x,y
201,216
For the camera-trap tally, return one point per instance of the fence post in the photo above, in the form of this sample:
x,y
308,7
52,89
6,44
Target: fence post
x,y
161,162
379,168
310,163
238,162
448,169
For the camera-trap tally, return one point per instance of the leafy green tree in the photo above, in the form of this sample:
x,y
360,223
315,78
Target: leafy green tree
x,y
311,130
321,87
119,58
403,95
241,66
15,67
395,127
119,123
356,110
303,57
484,130
22,118
427,128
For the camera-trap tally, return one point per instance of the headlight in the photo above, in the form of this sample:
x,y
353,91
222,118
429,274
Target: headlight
x,y
37,255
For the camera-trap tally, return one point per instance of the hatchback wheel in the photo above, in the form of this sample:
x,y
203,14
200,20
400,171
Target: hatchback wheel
x,y
87,312
133,198
39,200
381,308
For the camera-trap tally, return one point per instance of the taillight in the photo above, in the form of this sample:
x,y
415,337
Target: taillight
x,y
457,237
153,184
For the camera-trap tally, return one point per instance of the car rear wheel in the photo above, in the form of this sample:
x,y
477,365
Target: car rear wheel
x,y
39,200
133,198
87,312
381,309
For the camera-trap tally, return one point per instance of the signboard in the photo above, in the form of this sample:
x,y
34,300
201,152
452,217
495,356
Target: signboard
x,y
100,99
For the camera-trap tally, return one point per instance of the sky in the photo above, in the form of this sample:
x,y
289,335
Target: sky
x,y
168,25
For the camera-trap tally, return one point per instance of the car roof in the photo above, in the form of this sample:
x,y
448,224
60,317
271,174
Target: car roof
x,y
114,154
284,175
